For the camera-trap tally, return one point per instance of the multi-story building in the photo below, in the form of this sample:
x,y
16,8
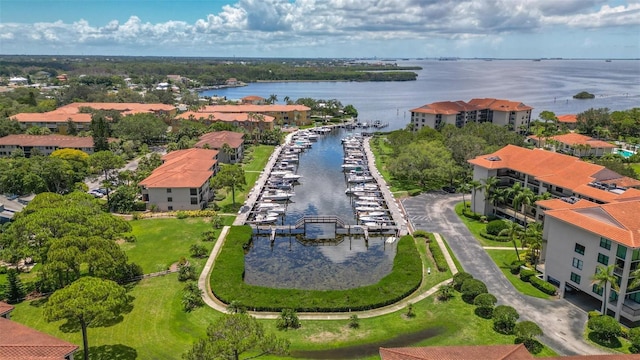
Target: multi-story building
x,y
591,218
573,144
44,144
247,121
217,140
294,115
515,115
182,181
58,119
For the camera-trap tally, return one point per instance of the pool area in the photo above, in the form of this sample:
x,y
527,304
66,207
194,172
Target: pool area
x,y
623,152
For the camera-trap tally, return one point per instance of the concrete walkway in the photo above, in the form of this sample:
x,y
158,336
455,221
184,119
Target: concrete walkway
x,y
447,256
562,322
214,303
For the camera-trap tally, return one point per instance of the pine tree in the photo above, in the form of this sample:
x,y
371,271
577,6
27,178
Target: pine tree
x,y
100,132
15,289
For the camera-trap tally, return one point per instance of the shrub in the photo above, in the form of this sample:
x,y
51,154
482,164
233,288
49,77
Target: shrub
x,y
485,303
288,320
593,313
526,332
181,215
460,278
438,256
420,234
484,234
414,192
198,250
130,238
605,328
3,270
515,266
471,288
504,319
354,322
495,226
191,297
525,274
542,285
445,292
186,272
634,338
209,235
410,313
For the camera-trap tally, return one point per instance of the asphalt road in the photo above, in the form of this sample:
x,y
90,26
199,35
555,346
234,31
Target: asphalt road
x,y
562,322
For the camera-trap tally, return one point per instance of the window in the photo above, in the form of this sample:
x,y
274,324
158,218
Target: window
x,y
577,263
579,249
605,243
603,259
622,252
168,190
170,208
597,289
169,199
194,201
193,191
575,278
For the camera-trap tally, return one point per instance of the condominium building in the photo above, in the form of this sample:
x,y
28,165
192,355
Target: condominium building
x,y
590,220
294,115
573,144
246,121
182,181
78,113
43,144
217,140
515,115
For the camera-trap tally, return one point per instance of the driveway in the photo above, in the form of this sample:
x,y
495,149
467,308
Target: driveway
x,y
562,322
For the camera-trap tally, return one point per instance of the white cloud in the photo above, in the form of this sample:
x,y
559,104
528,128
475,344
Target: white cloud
x,y
277,25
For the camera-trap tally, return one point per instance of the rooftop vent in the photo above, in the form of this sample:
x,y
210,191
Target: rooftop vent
x,y
494,158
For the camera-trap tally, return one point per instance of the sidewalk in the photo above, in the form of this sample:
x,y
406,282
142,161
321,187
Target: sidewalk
x,y
213,302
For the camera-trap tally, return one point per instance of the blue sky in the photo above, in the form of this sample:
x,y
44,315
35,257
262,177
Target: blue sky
x,y
323,28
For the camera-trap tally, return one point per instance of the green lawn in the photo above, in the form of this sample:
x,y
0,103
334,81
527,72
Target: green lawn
x,y
162,242
476,227
503,258
636,168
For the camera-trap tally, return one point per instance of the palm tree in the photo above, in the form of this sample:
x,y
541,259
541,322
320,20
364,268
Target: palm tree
x,y
464,188
524,198
513,231
533,240
228,151
490,185
514,194
635,275
604,276
475,185
272,99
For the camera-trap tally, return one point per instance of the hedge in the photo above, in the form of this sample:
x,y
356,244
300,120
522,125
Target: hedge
x,y
542,285
495,226
486,235
438,256
526,274
227,282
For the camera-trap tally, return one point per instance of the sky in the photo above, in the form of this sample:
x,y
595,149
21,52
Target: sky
x,y
323,28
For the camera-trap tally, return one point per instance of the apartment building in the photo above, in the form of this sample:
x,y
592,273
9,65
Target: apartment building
x,y
293,115
515,115
58,119
573,144
43,144
246,121
182,181
590,220
216,141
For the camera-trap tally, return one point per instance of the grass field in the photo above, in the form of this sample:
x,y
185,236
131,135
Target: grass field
x,y
476,227
503,258
162,242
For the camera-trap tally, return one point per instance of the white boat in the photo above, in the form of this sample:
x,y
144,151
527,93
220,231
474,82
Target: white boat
x,y
362,188
264,219
390,240
277,195
360,179
290,158
267,206
363,193
368,208
370,198
291,176
374,213
280,173
366,203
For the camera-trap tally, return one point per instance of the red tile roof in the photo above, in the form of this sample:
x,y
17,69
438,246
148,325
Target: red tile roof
x,y
573,139
568,118
248,108
565,171
252,98
5,308
189,168
219,116
19,342
499,105
52,116
617,221
217,139
72,111
61,141
446,108
553,204
492,352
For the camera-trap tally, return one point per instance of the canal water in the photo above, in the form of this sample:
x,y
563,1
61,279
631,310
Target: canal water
x,y
344,262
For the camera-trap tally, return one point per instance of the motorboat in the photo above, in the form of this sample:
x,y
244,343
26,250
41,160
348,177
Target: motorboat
x,y
368,208
360,178
280,185
271,207
374,213
370,198
390,240
264,219
366,203
291,177
277,195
